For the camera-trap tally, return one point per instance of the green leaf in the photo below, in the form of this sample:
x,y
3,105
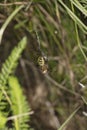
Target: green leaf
x,y
3,121
19,104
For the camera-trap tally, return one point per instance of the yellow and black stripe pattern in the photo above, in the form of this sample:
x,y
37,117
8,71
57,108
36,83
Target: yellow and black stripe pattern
x,y
42,63
35,54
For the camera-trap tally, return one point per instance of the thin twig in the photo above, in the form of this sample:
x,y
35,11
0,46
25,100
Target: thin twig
x,y
19,3
20,115
61,86
14,3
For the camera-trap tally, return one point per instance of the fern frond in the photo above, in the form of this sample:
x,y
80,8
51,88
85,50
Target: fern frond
x,y
7,69
19,105
3,120
11,63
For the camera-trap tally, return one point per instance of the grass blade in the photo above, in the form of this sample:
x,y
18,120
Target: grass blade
x,y
69,118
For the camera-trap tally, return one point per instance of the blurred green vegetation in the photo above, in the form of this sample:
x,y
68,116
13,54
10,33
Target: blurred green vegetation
x,y
64,40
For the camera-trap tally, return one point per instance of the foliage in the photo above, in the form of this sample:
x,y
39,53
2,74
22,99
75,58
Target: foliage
x,y
15,102
11,63
19,105
61,26
3,121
